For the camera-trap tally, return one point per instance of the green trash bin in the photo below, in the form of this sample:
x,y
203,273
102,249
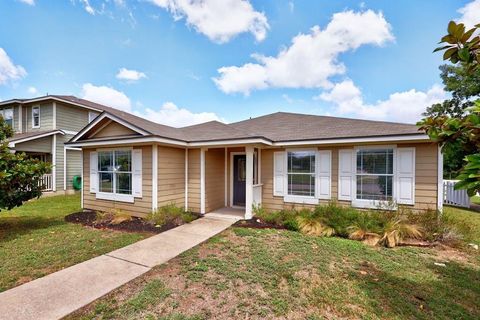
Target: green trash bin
x,y
77,182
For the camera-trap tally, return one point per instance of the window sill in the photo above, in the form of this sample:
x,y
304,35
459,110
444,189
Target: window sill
x,y
115,197
373,204
300,199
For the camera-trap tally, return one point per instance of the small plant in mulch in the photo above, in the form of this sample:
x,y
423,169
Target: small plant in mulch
x,y
117,219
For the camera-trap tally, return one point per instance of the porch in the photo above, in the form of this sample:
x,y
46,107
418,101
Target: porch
x,y
230,180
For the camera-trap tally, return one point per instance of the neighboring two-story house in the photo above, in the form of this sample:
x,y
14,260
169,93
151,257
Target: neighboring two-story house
x,y
42,126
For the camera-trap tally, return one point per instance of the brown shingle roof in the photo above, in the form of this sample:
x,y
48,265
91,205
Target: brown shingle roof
x,y
284,126
21,136
280,126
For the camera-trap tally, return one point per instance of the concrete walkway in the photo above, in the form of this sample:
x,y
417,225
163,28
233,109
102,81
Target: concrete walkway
x,y
59,294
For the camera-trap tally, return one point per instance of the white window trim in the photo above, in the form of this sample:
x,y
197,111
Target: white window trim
x,y
39,118
113,196
290,198
374,204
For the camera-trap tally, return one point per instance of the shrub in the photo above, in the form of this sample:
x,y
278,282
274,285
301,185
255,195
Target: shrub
x,y
395,231
336,217
311,225
170,214
284,218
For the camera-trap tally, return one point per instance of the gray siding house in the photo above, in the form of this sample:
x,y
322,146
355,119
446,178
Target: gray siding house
x,y
42,126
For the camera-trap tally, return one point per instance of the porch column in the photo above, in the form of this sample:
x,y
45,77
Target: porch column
x,y
54,163
202,181
249,183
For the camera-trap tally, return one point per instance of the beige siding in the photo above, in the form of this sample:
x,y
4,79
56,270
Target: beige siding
x,y
114,130
194,180
38,145
214,179
74,167
71,118
140,207
425,177
171,176
46,117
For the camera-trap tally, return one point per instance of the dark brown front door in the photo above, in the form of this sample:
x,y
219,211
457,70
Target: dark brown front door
x,y
239,176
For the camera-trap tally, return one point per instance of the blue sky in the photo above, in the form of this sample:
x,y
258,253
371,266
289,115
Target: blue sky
x,y
184,63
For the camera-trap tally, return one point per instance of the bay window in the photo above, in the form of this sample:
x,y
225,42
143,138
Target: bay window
x,y
374,174
115,172
301,173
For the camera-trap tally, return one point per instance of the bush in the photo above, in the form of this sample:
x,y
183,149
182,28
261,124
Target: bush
x,y
170,214
286,218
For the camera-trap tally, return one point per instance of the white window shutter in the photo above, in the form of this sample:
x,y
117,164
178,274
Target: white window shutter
x,y
279,174
405,176
323,174
137,173
345,174
93,172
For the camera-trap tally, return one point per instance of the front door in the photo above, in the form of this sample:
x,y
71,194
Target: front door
x,y
239,177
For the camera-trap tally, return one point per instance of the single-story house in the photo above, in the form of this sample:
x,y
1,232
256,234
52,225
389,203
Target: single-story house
x,y
277,161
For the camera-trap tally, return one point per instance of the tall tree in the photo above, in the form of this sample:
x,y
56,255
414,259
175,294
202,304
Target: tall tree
x,y
460,129
20,176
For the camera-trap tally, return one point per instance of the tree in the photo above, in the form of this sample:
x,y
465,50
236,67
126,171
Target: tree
x,y
20,176
460,129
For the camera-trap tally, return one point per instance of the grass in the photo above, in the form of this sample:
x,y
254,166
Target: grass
x,y
475,199
35,240
252,273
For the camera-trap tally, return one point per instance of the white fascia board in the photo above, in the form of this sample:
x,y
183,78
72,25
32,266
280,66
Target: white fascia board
x,y
416,137
13,143
149,139
229,142
112,117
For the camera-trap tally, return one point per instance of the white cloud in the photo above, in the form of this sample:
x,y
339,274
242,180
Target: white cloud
x,y
406,106
171,115
470,13
312,58
107,96
32,90
221,20
9,71
88,7
130,75
291,6
29,2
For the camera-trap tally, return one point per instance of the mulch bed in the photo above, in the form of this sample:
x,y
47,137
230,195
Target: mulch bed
x,y
89,218
257,224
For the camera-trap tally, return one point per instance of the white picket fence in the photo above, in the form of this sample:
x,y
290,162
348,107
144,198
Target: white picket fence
x,y
47,182
452,197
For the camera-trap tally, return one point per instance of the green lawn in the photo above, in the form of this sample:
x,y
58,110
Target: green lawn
x,y
35,240
475,199
250,273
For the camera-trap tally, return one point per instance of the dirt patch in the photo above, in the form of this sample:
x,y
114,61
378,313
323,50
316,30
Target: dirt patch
x,y
89,218
256,223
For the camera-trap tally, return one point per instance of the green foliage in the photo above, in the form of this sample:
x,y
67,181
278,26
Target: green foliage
x,y
456,131
170,214
20,176
462,46
470,175
286,218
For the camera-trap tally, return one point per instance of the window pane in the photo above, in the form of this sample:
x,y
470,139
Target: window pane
x,y
124,183
106,182
301,184
105,161
375,161
301,161
374,187
123,160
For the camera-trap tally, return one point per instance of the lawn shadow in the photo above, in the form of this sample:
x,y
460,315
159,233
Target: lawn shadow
x,y
13,227
452,293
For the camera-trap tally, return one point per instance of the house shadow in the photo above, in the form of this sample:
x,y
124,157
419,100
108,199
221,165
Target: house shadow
x,y
13,227
451,292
